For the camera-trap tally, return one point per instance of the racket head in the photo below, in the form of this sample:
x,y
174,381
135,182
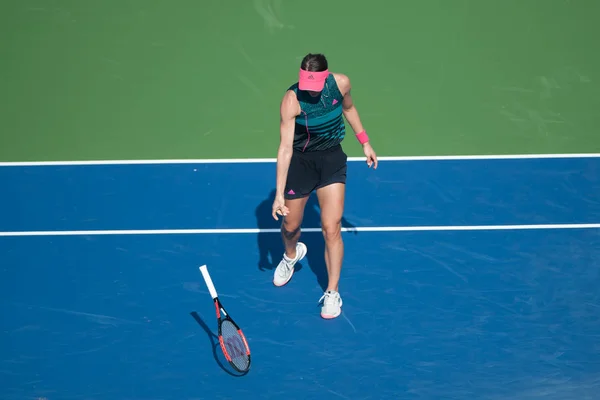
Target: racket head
x,y
234,345
233,341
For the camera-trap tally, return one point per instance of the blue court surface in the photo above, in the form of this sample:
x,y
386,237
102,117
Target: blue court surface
x,y
463,279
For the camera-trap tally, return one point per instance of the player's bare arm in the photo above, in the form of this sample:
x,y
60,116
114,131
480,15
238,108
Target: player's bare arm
x,y
350,111
289,109
351,115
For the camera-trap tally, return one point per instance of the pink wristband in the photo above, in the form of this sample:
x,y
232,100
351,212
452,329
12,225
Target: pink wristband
x,y
362,137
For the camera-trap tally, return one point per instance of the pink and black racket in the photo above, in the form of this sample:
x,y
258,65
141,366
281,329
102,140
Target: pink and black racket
x,y
231,338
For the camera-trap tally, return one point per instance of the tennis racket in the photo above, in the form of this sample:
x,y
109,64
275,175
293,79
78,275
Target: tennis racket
x,y
231,338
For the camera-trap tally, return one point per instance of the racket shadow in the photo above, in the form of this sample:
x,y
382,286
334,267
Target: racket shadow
x,y
214,340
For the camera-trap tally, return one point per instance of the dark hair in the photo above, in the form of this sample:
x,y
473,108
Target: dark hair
x,y
314,63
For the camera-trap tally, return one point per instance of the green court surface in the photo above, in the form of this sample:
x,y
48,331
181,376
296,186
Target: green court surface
x,y
131,79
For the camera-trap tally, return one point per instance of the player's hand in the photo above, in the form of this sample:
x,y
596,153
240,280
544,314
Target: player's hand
x,y
279,207
370,154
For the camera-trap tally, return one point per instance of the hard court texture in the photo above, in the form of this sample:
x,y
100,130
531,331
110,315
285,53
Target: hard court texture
x,y
137,142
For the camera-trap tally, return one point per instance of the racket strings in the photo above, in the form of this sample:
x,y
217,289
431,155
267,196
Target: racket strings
x,y
234,344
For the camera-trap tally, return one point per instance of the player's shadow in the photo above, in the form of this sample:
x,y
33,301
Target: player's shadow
x,y
214,341
270,245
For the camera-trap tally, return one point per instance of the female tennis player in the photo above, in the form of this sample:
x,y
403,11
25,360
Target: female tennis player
x,y
310,158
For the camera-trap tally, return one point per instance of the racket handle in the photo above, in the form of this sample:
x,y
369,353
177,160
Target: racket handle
x,y
209,282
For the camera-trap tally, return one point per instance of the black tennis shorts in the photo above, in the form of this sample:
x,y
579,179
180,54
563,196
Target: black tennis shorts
x,y
312,170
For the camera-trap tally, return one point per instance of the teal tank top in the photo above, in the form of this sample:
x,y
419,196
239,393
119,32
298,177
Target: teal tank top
x,y
320,124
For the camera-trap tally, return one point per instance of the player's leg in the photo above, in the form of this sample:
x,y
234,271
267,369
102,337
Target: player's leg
x,y
290,226
301,180
290,234
331,201
331,195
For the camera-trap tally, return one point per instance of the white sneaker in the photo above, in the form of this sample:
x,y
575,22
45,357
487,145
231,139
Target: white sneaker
x,y
285,269
332,304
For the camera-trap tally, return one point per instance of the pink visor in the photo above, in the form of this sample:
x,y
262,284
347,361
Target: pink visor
x,y
313,81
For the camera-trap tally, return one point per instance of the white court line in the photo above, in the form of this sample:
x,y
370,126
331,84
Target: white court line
x,y
272,160
256,230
